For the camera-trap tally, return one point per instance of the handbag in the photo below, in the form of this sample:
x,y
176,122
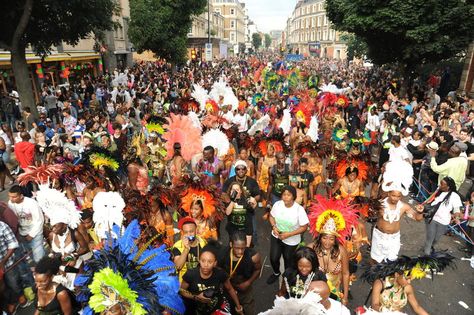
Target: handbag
x,y
429,210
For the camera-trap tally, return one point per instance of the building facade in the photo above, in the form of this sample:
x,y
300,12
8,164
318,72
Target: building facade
x,y
235,21
67,63
309,32
199,35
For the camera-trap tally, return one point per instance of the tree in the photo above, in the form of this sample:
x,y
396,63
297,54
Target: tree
x,y
356,47
256,41
44,24
408,33
268,40
162,26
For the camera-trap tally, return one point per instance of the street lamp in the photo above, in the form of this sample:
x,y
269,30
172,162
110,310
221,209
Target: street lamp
x,y
208,21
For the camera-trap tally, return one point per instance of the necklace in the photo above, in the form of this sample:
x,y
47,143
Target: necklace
x,y
233,270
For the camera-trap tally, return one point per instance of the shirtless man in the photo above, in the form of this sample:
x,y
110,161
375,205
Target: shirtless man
x,y
210,168
386,234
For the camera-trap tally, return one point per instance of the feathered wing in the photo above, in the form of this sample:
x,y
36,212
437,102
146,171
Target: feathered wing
x,y
40,174
216,139
313,131
195,120
180,129
139,275
285,124
259,125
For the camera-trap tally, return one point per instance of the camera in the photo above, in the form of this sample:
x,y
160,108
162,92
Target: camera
x,y
209,293
191,238
233,195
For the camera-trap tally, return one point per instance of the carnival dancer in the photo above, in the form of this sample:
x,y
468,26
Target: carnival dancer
x,y
331,222
391,280
128,277
386,234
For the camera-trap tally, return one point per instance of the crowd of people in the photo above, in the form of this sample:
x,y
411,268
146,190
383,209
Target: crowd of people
x,y
142,191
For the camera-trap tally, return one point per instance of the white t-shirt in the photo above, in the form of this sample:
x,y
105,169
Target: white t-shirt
x,y
289,219
399,153
443,215
242,121
337,308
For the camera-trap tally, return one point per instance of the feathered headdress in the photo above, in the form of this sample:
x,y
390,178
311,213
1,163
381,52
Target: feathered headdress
x,y
216,139
211,107
40,174
264,143
344,164
99,157
137,278
155,124
108,208
398,176
303,110
342,101
57,207
209,197
416,267
330,216
307,305
180,129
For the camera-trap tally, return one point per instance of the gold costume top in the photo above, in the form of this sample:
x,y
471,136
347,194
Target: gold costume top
x,y
393,297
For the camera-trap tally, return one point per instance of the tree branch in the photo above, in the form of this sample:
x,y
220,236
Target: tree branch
x,y
23,23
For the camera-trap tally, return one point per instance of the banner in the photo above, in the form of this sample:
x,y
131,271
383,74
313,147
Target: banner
x,y
294,57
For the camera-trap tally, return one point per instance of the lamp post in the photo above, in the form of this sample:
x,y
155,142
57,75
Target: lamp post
x,y
208,21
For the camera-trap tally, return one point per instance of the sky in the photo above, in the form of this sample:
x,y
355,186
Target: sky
x,y
270,14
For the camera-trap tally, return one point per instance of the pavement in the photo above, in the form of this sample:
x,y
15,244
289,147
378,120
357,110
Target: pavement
x,y
441,295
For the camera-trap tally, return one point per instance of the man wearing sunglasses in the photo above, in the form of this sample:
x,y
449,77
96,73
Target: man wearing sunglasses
x,y
250,186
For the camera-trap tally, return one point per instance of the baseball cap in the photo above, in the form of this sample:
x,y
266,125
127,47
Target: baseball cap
x,y
240,163
184,221
433,146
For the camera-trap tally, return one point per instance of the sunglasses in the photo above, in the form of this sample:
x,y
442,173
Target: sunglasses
x,y
240,168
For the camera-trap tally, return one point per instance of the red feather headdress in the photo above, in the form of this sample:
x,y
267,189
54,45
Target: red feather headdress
x,y
330,216
208,195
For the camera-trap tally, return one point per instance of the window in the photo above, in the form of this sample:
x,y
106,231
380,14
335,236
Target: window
x,y
319,21
232,24
325,35
232,11
232,37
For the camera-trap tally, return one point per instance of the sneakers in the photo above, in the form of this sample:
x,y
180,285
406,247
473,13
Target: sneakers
x,y
29,294
273,277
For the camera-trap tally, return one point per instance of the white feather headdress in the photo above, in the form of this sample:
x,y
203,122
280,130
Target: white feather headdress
x,y
220,88
108,208
308,305
57,207
398,176
216,139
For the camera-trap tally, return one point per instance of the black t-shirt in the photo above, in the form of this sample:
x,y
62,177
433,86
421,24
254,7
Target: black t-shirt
x,y
297,282
197,284
251,188
279,179
304,180
192,260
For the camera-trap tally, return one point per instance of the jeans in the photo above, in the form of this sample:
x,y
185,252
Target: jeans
x,y
12,280
36,246
434,231
278,248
